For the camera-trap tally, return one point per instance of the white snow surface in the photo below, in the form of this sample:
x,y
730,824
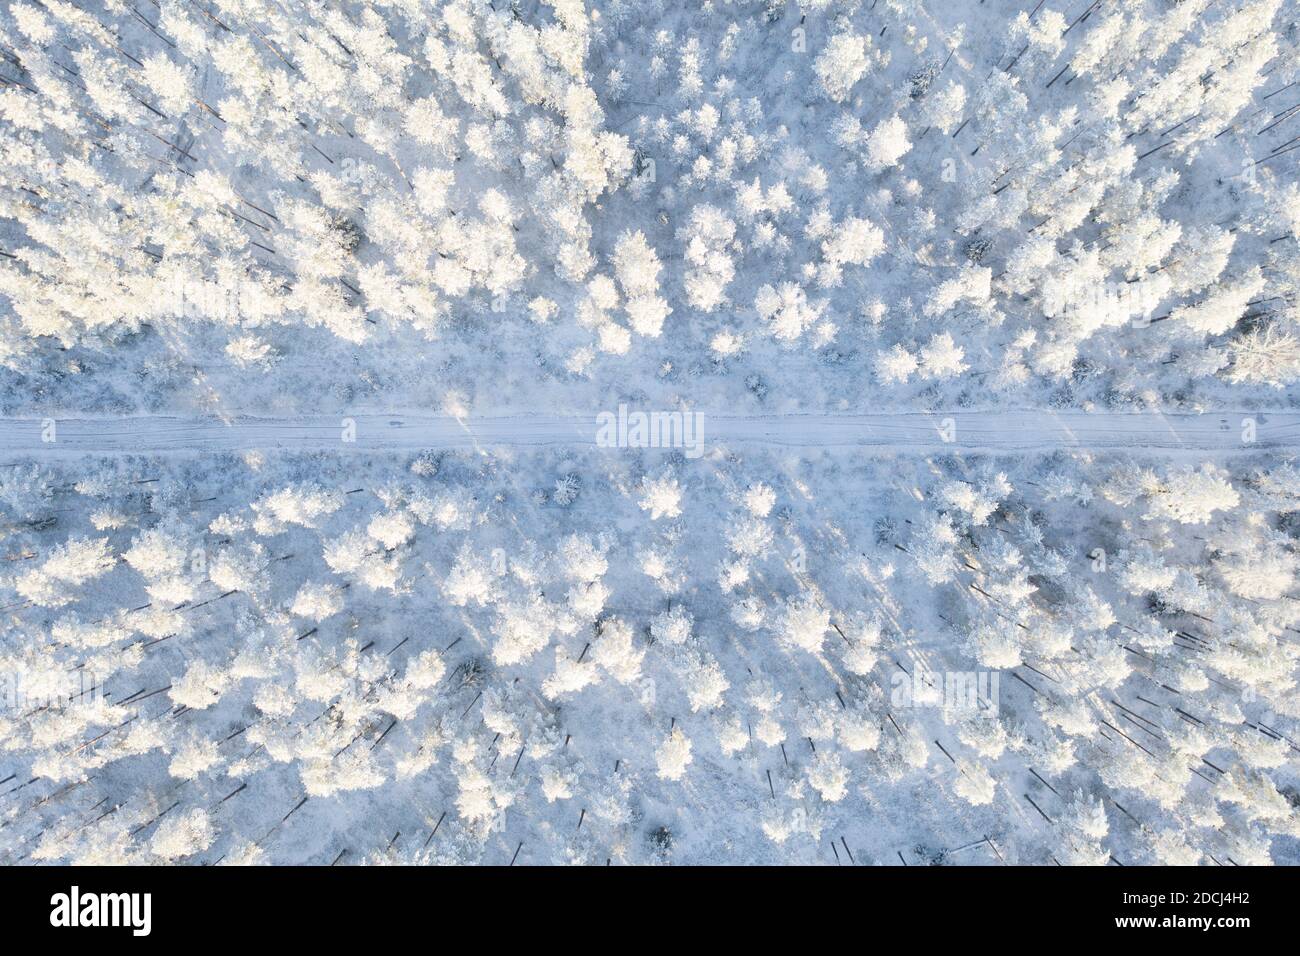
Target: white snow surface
x,y
985,544
905,432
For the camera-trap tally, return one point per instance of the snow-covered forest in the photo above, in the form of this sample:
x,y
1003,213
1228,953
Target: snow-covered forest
x,y
720,651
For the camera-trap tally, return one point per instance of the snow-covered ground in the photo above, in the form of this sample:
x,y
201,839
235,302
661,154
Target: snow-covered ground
x,y
902,432
641,431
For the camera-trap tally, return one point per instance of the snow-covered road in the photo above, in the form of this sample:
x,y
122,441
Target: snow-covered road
x,y
913,432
